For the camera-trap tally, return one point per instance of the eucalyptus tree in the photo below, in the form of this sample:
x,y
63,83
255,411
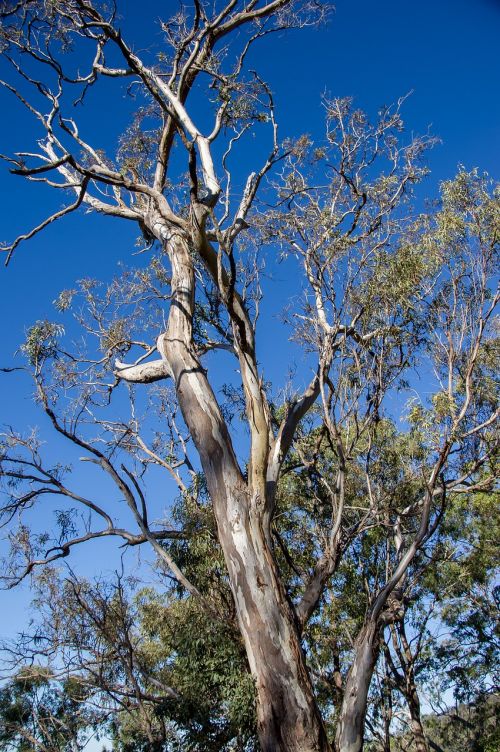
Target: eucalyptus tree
x,y
384,290
444,644
124,648
37,713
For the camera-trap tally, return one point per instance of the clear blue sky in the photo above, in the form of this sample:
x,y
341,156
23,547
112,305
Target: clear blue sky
x,y
446,51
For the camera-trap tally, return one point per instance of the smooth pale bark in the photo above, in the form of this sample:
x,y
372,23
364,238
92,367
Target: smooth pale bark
x,y
287,714
351,725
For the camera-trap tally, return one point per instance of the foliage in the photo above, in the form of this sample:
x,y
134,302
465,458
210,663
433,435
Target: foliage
x,y
39,712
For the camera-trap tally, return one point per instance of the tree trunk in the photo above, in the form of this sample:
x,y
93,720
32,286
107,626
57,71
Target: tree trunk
x,y
287,715
416,720
410,689
351,726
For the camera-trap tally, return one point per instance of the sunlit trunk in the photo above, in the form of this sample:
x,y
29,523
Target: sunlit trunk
x,y
287,715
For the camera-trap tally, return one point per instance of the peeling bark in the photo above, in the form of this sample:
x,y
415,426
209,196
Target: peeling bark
x,y
287,715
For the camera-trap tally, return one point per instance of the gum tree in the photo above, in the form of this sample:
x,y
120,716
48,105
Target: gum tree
x,y
384,289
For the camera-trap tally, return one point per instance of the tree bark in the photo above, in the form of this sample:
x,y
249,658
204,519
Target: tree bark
x,y
409,688
351,725
287,714
416,720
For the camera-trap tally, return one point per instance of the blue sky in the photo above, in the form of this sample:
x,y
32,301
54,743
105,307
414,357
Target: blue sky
x,y
445,51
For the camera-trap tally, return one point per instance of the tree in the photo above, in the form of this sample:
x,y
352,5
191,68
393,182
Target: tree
x,y
128,646
445,643
37,713
386,289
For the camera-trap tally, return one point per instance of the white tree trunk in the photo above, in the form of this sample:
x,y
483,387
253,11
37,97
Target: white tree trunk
x,y
287,714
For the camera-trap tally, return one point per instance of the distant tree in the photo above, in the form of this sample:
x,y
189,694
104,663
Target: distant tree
x,y
474,726
467,650
40,714
446,642
386,291
129,647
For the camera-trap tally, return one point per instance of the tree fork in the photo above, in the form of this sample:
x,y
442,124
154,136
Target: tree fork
x,y
287,714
